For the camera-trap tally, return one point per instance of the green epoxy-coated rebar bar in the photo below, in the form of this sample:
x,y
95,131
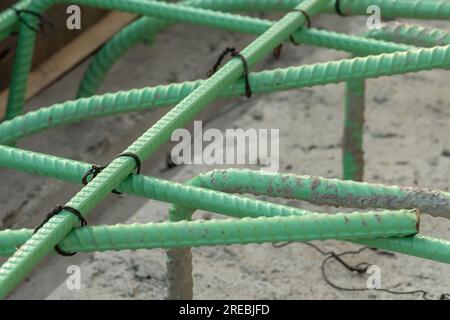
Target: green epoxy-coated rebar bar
x,y
349,226
352,144
419,9
323,191
352,141
57,227
55,230
148,187
9,20
315,190
262,82
312,189
410,34
22,63
146,27
27,37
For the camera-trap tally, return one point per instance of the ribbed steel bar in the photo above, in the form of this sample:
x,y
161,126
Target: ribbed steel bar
x,y
420,246
147,187
145,28
415,9
410,34
197,233
352,142
22,63
41,243
27,37
314,190
262,82
419,9
323,191
317,191
9,20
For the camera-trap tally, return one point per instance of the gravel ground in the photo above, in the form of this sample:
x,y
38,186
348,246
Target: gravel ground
x,y
405,143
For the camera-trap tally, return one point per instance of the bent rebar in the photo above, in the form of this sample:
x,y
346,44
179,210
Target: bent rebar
x,y
40,244
262,82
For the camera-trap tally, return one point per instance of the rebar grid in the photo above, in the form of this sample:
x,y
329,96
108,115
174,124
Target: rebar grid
x,y
259,221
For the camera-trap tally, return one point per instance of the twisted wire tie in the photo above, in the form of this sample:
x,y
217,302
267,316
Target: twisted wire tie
x,y
42,21
56,210
235,54
308,24
96,169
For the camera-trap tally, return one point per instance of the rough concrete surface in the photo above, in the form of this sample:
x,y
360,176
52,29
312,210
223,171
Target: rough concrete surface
x,y
406,143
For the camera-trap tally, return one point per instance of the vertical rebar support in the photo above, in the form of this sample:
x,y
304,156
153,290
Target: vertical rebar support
x,y
180,282
352,141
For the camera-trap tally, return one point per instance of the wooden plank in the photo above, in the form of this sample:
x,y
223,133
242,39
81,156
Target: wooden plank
x,y
46,46
71,55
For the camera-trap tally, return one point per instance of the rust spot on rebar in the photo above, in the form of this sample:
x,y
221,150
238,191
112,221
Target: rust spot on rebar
x,y
288,193
315,183
270,188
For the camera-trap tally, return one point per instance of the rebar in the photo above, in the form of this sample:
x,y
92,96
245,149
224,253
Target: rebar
x,y
390,51
262,82
40,244
198,233
317,191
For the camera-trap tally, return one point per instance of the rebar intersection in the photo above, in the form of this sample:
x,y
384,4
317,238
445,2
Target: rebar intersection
x,y
259,221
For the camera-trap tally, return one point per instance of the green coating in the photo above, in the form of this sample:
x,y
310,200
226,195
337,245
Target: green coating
x,y
419,9
331,192
352,141
8,19
416,9
27,37
145,29
410,34
181,234
41,243
433,9
323,191
318,191
262,82
419,246
147,187
338,193
315,190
